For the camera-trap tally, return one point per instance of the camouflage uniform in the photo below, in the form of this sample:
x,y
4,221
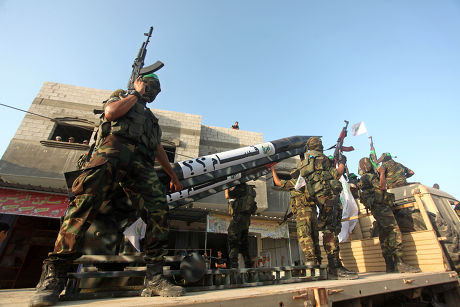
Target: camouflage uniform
x,y
241,206
324,188
380,203
319,173
306,221
395,173
121,160
124,158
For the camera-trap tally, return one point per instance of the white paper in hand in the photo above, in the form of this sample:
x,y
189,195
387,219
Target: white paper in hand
x,y
300,183
135,233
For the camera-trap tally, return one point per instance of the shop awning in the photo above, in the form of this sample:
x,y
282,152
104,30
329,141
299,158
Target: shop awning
x,y
30,203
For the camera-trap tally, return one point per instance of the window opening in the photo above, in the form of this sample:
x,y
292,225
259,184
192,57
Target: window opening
x,y
170,152
71,134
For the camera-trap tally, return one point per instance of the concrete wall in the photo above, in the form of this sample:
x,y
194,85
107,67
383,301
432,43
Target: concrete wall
x,y
183,128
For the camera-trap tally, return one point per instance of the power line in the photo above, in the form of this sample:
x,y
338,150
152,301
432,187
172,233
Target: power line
x,y
51,119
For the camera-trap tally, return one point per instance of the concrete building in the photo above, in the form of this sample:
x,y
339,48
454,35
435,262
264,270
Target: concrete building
x,y
33,192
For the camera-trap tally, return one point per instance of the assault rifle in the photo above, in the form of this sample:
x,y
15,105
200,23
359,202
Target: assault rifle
x,y
138,65
373,155
339,148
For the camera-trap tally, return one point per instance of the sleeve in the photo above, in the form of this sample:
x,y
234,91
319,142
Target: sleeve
x,y
287,185
408,172
115,96
334,173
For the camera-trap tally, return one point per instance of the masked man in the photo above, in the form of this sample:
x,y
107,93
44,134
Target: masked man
x,y
324,188
127,145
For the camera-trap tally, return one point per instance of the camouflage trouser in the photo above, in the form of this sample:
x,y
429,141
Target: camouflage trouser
x,y
115,164
238,238
307,231
330,217
389,235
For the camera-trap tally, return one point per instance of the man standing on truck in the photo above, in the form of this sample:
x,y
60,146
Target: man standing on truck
x,y
127,146
304,209
324,187
395,173
241,204
373,195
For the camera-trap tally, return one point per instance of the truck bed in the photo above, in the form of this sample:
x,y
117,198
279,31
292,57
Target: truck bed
x,y
320,293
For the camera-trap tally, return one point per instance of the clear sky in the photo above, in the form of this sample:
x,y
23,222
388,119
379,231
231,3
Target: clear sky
x,y
282,68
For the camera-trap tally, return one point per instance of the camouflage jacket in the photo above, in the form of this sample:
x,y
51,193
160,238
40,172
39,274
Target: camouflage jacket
x,y
320,174
298,197
138,126
395,174
370,192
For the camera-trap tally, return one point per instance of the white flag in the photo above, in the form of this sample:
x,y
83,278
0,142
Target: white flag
x,y
350,208
300,183
359,128
135,233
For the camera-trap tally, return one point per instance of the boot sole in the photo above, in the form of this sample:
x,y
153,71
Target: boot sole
x,y
41,304
334,277
173,293
164,293
348,278
407,271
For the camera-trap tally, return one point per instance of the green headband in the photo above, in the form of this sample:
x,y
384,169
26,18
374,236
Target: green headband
x,y
150,76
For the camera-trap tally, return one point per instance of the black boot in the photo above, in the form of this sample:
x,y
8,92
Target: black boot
x,y
402,267
51,284
156,284
390,264
248,263
233,258
335,269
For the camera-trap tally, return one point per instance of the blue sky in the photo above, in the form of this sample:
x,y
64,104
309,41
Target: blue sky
x,y
282,68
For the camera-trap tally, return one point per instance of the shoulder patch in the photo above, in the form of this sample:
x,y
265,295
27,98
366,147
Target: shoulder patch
x,y
118,93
